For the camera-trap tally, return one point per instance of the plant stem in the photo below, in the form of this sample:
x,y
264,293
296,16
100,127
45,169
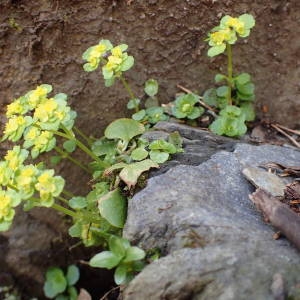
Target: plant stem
x,y
229,69
62,199
77,130
68,194
129,91
70,158
64,210
69,135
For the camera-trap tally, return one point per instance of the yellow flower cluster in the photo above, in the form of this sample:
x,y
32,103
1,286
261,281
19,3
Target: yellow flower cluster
x,y
115,60
19,182
35,117
227,32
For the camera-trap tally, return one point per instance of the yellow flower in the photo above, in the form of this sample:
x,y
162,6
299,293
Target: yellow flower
x,y
46,110
15,157
5,205
97,51
217,38
36,96
32,133
117,52
15,108
236,24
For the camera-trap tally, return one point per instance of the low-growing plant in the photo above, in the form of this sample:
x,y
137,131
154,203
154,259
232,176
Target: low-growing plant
x,y
39,122
235,99
60,286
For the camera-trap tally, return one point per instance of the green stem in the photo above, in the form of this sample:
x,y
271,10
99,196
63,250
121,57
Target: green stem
x,y
70,136
64,210
63,200
68,194
100,232
70,158
129,91
229,70
88,140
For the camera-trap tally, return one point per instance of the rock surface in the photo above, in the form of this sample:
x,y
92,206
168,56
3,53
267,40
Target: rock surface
x,y
215,243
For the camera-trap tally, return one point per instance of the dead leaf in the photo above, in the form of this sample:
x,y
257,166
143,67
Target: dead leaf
x,y
84,295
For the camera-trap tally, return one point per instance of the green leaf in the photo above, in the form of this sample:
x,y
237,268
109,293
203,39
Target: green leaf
x,y
248,20
134,253
246,89
123,47
243,78
124,129
103,147
163,145
107,73
248,111
69,146
222,91
216,50
210,97
151,102
127,63
112,207
151,87
78,202
61,297
139,154
195,113
139,115
55,159
48,87
120,274
75,230
131,172
133,103
109,82
118,246
219,78
73,295
245,97
55,283
72,275
104,259
159,156
89,68
176,140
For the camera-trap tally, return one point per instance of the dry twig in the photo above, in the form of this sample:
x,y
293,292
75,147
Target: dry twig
x,y
286,135
279,215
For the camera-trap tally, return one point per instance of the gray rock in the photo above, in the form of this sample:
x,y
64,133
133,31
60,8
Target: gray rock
x,y
265,180
216,244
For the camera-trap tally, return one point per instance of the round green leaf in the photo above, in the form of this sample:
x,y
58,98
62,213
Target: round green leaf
x,y
139,154
246,89
112,207
151,87
134,253
77,202
248,111
72,275
133,103
195,113
138,116
219,78
243,78
127,63
55,283
120,274
69,146
118,246
248,20
158,156
210,97
216,50
73,295
222,91
104,259
124,129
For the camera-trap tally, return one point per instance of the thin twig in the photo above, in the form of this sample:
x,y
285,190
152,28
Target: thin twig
x,y
111,290
288,129
201,102
286,135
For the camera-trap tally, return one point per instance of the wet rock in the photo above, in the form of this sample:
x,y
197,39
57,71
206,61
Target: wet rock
x,y
216,245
